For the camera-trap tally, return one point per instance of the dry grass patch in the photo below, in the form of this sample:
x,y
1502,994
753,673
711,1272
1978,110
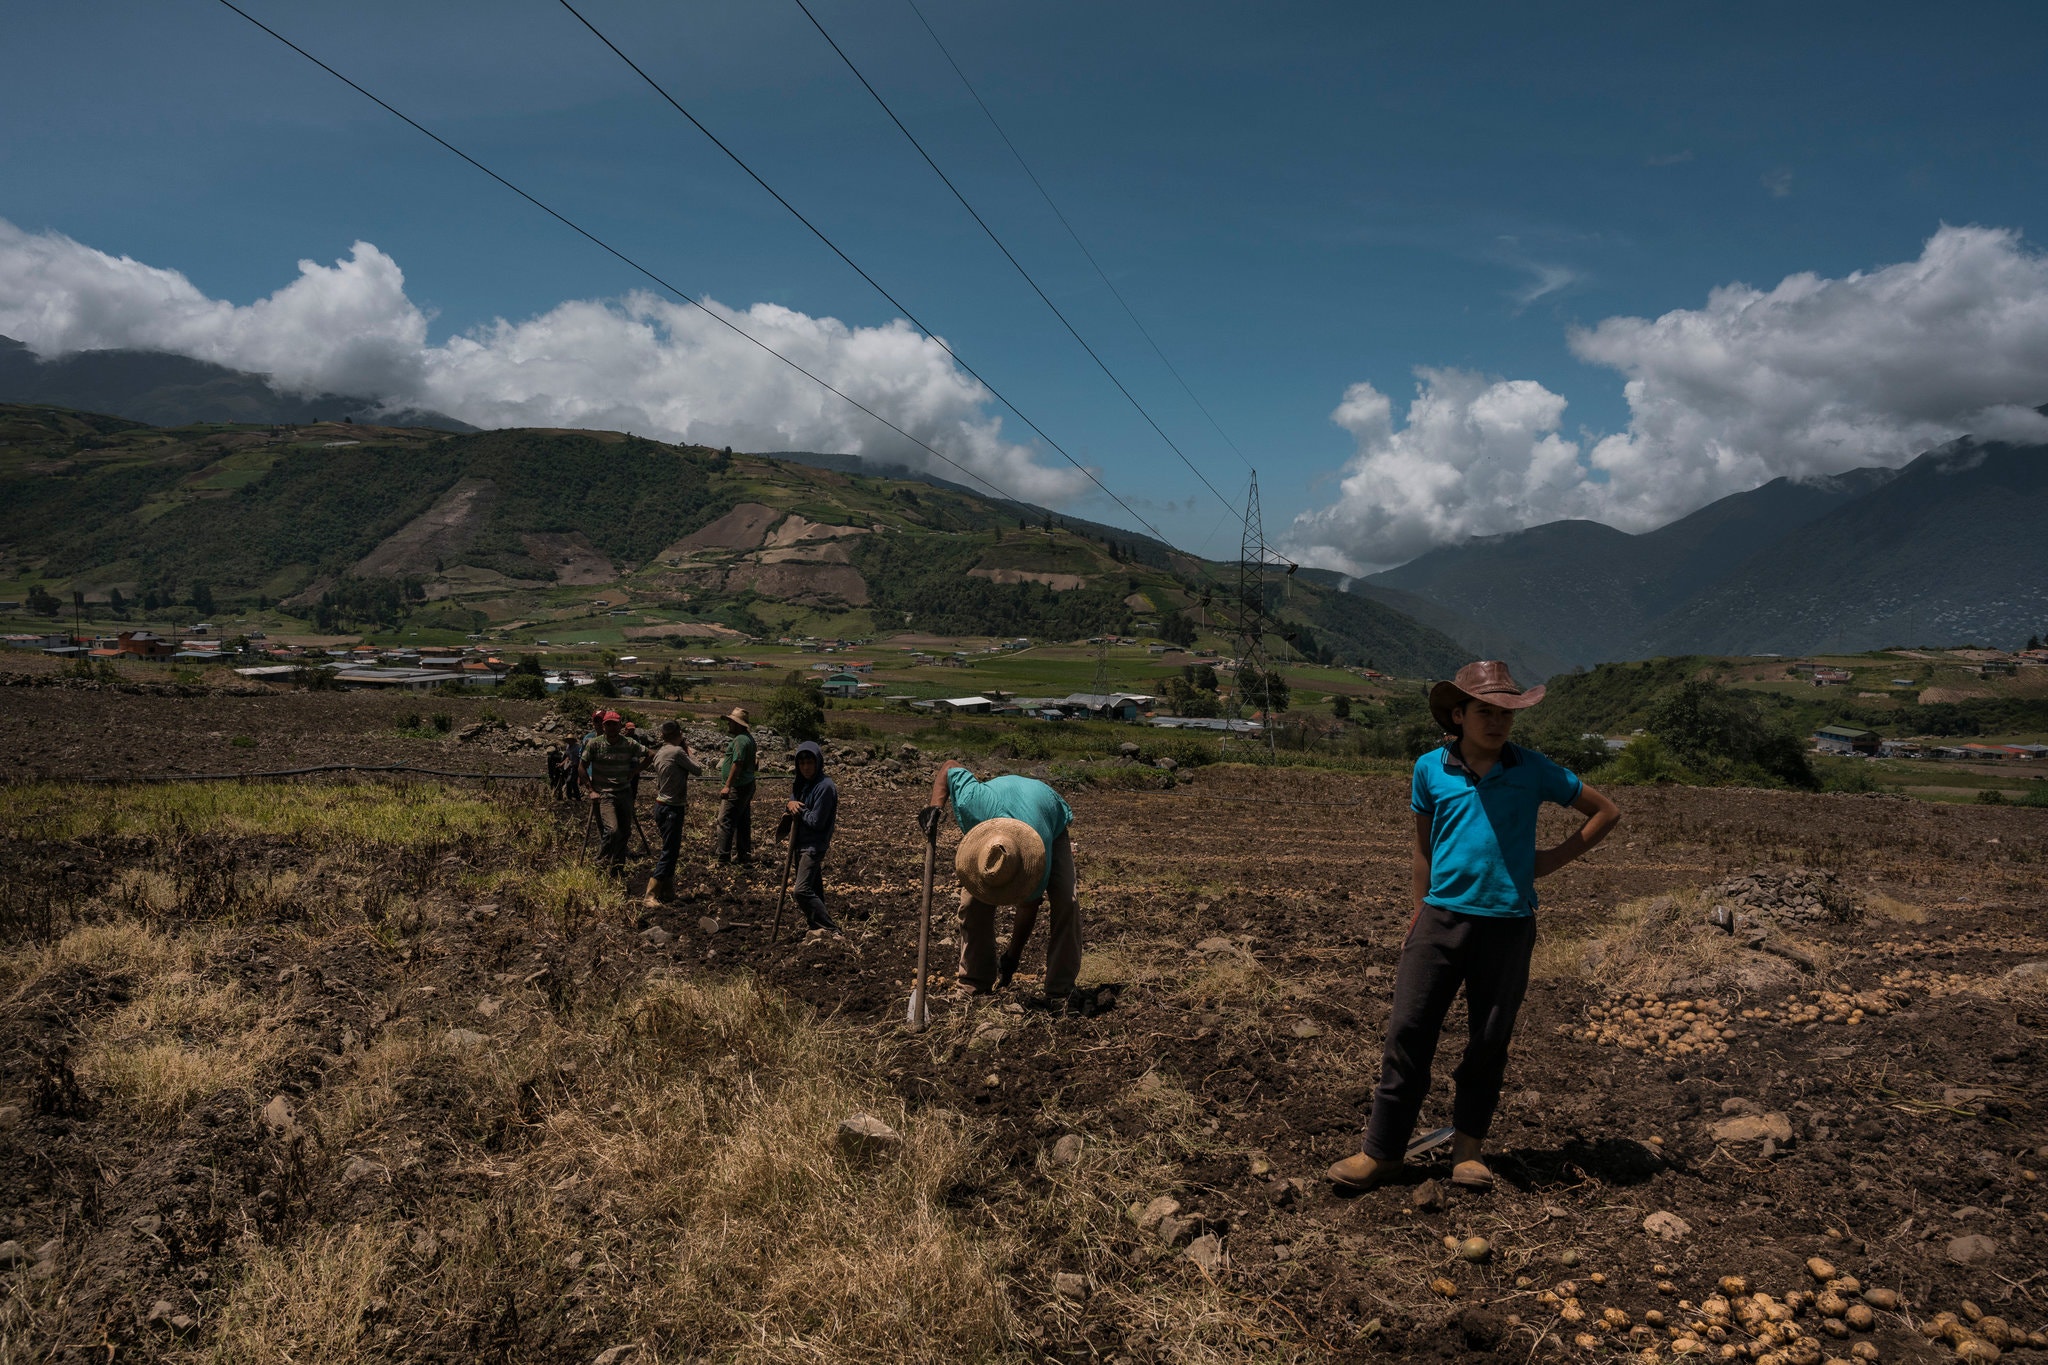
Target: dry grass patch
x,y
664,1171
310,1301
123,947
180,1042
1648,945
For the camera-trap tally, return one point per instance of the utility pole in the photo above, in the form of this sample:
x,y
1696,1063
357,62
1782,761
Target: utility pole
x,y
1252,621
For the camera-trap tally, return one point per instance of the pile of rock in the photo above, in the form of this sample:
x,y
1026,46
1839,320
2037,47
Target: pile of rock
x,y
496,735
1783,896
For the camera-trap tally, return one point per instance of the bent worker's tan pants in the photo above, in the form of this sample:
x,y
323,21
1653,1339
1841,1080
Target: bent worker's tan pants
x,y
1063,936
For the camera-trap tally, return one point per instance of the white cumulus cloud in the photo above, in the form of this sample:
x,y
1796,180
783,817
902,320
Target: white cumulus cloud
x,y
642,363
1821,375
1475,456
1814,376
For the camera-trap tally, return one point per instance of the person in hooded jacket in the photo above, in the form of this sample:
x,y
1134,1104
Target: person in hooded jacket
x,y
814,811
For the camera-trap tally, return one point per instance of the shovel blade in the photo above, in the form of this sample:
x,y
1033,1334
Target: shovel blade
x,y
1429,1142
918,1018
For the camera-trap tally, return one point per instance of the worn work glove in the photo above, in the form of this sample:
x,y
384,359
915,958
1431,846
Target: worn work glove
x,y
928,820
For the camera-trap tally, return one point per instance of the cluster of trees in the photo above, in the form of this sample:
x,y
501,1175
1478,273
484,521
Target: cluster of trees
x,y
1176,627
367,603
1195,691
796,708
1702,732
1262,689
156,597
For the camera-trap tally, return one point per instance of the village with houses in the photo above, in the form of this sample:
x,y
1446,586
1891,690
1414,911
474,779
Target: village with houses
x,y
1137,679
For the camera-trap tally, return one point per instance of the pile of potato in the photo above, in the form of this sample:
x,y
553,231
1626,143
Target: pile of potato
x,y
1976,1335
1823,1326
1828,1007
1931,984
1658,1027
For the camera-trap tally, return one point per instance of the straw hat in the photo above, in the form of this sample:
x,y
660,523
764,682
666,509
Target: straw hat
x,y
738,716
1001,862
1487,680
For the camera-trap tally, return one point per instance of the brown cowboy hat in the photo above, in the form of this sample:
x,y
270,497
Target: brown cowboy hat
x,y
738,716
1000,862
1489,681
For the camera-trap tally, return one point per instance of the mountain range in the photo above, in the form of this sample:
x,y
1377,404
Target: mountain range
x,y
1945,550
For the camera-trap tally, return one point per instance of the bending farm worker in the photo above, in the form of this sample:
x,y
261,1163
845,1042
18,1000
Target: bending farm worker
x,y
611,767
814,811
1014,850
673,769
736,792
1473,876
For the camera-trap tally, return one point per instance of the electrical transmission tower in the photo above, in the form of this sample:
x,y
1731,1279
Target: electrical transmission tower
x,y
1101,687
1254,561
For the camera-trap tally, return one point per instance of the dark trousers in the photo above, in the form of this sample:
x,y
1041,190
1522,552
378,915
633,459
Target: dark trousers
x,y
1489,957
807,886
615,819
668,823
736,826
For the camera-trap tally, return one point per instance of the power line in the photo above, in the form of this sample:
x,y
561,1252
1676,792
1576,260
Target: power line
x,y
607,247
894,302
699,305
1010,257
1049,203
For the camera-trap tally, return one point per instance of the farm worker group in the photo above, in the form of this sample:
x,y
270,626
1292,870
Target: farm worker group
x,y
1474,867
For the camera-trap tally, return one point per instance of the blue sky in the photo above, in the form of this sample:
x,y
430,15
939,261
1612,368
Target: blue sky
x,y
1296,198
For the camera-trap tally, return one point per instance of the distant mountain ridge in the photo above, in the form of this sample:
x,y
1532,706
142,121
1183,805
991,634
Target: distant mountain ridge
x,y
173,391
1945,550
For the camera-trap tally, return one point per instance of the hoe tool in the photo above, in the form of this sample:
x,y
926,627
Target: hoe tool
x,y
775,934
919,1018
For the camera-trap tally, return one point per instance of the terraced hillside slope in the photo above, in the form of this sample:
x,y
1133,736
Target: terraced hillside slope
x,y
510,528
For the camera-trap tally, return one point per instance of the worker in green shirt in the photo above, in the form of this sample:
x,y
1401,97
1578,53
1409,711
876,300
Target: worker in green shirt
x,y
736,792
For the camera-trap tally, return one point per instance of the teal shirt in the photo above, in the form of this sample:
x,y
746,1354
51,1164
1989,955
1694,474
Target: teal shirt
x,y
1482,830
1011,798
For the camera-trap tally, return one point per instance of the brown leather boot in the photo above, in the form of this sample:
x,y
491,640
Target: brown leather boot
x,y
660,891
1359,1172
1468,1170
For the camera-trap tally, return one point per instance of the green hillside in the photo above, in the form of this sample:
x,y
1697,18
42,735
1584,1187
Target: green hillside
x,y
603,537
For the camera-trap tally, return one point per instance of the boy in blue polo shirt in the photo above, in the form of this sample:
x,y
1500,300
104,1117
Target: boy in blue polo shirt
x,y
1473,888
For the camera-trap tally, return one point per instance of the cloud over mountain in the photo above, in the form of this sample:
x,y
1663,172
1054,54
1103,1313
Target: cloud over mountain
x,y
641,363
1474,457
1814,376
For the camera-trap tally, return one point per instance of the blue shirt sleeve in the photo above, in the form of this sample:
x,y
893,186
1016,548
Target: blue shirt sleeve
x,y
1554,782
965,791
1419,798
